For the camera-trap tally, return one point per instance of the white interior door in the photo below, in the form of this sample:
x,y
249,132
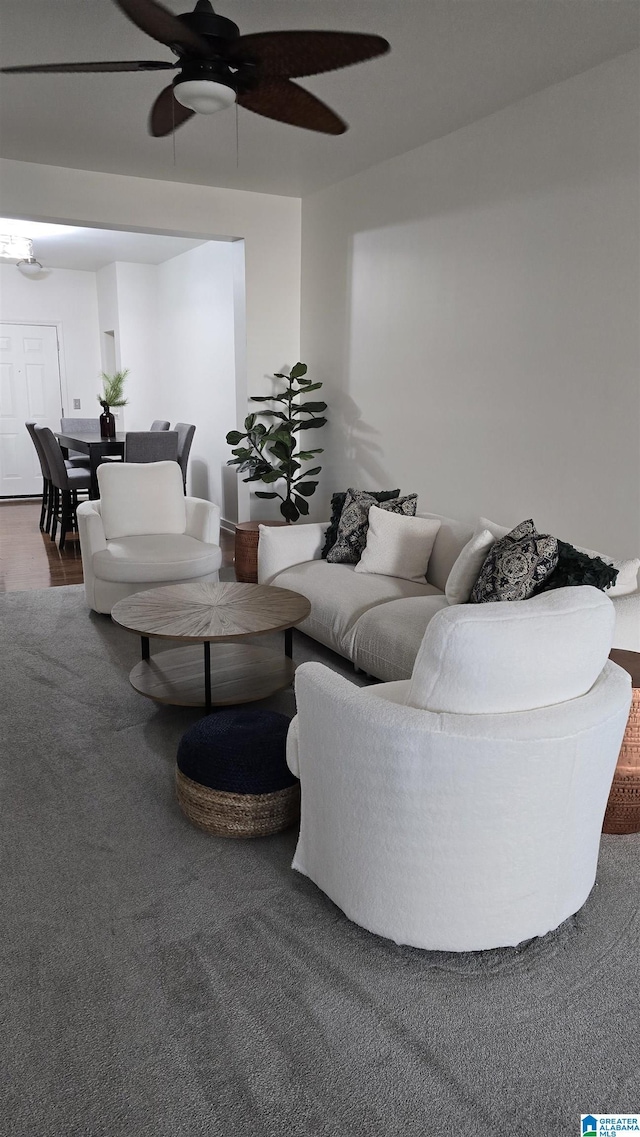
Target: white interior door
x,y
29,389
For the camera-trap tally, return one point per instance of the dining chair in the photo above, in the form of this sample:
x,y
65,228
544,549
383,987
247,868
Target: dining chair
x,y
83,426
47,489
185,431
66,483
159,424
151,446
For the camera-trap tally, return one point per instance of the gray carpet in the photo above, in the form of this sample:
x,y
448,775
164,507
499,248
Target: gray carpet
x,y
157,982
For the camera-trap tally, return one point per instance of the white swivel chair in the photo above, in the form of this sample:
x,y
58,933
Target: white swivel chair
x,y
143,532
462,809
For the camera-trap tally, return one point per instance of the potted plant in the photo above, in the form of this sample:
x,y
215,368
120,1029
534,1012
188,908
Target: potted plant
x,y
112,396
270,452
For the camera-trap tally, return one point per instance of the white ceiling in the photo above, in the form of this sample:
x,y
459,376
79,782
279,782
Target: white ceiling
x,y
451,63
72,246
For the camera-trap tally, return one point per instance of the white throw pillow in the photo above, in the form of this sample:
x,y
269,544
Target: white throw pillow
x,y
466,568
498,531
398,545
627,579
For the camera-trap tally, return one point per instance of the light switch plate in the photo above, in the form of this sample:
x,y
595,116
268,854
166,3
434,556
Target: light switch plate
x,y
76,404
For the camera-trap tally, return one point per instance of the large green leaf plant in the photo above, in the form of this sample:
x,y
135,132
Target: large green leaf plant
x,y
269,452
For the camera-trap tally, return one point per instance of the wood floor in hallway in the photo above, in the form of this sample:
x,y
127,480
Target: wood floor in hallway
x,y
30,559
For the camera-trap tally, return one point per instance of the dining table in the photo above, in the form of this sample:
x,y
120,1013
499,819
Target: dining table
x,y
96,447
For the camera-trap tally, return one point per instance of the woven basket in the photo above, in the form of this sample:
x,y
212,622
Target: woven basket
x,y
237,815
623,808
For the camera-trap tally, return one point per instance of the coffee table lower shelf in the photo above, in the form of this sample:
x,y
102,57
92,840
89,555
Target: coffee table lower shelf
x,y
240,673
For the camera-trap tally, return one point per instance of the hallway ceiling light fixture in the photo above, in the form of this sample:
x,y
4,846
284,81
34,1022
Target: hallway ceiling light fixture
x,y
30,266
14,247
218,67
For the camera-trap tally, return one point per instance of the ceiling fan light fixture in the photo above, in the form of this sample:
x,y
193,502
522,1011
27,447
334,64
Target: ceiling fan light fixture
x,y
204,96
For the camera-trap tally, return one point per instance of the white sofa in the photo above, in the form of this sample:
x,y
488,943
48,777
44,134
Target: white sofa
x,y
462,810
378,622
143,532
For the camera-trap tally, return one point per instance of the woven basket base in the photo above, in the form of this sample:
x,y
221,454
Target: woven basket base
x,y
237,815
623,808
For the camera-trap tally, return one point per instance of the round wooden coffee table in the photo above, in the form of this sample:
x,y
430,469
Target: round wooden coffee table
x,y
218,614
623,808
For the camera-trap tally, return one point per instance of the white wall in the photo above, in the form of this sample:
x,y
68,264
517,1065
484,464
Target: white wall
x,y
197,366
138,344
268,224
68,298
175,330
473,309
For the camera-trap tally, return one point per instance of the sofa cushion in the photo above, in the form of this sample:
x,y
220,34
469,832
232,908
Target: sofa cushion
x,y
354,523
398,545
141,497
339,597
451,537
385,640
156,556
337,505
499,658
516,565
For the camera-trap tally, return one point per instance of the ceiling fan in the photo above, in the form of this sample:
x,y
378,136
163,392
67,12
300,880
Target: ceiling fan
x,y
217,66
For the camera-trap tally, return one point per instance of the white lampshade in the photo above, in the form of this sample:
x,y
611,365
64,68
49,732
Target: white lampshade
x,y
204,96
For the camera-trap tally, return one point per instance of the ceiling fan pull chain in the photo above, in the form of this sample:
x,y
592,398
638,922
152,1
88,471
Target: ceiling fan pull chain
x,y
237,141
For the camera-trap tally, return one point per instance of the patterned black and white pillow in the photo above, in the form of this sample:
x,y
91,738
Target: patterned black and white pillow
x,y
516,566
354,523
337,505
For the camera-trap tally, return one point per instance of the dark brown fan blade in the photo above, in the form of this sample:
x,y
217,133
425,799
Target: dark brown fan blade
x,y
162,25
134,65
167,114
287,102
289,54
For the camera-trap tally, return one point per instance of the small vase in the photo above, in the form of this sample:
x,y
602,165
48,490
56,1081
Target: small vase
x,y
107,424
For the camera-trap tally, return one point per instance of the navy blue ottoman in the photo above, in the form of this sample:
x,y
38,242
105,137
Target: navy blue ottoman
x,y
232,778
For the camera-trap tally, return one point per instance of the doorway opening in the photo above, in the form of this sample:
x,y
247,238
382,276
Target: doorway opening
x,y
170,309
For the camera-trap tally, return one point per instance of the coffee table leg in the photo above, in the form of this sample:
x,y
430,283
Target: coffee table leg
x,y
144,645
288,642
207,675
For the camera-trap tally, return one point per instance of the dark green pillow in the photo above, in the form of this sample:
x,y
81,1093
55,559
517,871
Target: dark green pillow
x,y
337,505
575,567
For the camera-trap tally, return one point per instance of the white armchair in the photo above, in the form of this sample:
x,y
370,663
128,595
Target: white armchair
x,y
462,809
144,532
